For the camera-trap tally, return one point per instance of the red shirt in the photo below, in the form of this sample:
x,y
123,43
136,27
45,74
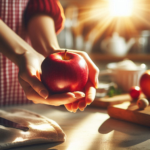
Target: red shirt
x,y
16,14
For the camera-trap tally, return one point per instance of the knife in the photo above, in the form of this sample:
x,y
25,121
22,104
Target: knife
x,y
11,124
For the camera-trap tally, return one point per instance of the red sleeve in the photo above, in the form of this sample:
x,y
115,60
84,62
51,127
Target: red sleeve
x,y
48,7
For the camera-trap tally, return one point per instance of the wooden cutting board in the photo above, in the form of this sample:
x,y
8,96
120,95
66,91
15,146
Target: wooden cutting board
x,y
129,111
108,101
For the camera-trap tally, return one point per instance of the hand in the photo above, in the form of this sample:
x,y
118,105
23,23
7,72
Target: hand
x,y
90,87
46,44
29,62
29,78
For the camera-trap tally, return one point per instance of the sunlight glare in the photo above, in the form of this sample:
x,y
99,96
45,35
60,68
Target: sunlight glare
x,y
121,7
18,139
42,127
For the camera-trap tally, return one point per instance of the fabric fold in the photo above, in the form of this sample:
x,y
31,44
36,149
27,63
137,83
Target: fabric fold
x,y
41,129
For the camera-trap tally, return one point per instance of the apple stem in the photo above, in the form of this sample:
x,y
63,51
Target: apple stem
x,y
65,54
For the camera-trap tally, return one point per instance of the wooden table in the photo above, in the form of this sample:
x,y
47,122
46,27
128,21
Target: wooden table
x,y
91,129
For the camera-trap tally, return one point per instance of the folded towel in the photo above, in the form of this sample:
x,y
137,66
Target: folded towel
x,y
41,129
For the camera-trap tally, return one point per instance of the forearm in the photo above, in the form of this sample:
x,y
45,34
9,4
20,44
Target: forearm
x,y
41,31
11,45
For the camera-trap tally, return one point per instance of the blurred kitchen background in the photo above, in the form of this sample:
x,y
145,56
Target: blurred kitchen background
x,y
108,30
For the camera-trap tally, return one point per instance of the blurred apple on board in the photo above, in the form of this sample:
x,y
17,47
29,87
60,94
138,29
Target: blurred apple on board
x,y
64,72
145,83
135,92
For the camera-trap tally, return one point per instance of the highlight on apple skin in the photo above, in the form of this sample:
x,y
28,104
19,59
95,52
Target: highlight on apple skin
x,y
64,72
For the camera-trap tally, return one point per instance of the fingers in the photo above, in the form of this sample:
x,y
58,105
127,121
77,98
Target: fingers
x,y
74,106
90,92
55,100
69,107
65,98
93,69
82,104
34,81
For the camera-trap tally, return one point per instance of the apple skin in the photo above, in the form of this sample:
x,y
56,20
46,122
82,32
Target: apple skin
x,y
62,73
145,83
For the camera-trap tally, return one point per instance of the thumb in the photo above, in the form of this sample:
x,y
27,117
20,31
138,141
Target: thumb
x,y
33,79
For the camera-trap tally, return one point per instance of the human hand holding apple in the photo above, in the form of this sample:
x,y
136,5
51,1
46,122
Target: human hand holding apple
x,y
90,86
29,78
46,43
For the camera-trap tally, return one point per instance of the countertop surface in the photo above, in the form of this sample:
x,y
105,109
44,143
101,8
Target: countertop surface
x,y
91,129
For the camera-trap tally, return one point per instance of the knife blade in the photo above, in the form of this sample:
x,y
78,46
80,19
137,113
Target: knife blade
x,y
11,124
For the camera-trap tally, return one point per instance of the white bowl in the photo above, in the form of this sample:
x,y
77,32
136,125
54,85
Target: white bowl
x,y
126,77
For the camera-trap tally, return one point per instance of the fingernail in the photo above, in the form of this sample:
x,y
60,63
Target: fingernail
x,y
44,94
77,95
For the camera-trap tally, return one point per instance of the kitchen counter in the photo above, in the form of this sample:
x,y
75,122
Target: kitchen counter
x,y
91,129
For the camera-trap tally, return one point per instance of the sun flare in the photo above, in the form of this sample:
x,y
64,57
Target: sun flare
x,y
106,16
121,7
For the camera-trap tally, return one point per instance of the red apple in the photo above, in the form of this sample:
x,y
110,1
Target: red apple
x,y
145,83
64,72
135,92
